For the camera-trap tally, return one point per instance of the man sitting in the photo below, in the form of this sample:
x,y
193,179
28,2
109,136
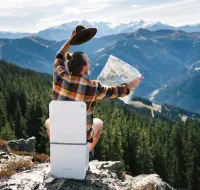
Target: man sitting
x,y
71,85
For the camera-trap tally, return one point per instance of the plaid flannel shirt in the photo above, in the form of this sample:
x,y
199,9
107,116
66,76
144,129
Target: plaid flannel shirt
x,y
77,88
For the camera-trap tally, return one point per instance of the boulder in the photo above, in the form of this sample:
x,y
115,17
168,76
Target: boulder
x,y
27,145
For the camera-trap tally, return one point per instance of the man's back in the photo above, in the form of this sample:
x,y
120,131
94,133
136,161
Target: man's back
x,y
77,88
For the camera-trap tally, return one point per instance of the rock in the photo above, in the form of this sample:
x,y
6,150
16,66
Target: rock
x,y
30,179
100,176
5,157
27,145
2,154
146,182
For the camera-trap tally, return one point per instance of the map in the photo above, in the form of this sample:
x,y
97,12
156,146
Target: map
x,y
117,72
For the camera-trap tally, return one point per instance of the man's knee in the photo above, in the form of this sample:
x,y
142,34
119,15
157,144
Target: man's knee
x,y
47,123
98,123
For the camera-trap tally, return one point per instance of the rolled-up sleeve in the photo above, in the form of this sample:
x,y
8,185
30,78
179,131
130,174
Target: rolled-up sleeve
x,y
106,92
59,66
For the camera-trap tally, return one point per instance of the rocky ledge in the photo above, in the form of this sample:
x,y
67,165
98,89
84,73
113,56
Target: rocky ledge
x,y
106,175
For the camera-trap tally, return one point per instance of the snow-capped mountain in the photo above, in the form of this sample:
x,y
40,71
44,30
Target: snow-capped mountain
x,y
190,28
12,35
104,29
63,31
133,26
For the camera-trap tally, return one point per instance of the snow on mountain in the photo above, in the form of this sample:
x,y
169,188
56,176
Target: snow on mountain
x,y
63,31
190,28
104,28
13,35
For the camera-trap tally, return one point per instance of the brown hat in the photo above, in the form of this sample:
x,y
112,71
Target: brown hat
x,y
82,35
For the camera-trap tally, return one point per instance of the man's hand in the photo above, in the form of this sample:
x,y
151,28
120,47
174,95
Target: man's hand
x,y
135,83
66,47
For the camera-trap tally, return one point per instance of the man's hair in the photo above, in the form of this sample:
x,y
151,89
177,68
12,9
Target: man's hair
x,y
76,61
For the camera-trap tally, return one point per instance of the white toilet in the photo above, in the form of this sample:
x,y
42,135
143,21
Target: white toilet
x,y
69,150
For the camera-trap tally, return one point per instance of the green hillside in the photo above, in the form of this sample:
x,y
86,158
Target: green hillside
x,y
168,147
24,98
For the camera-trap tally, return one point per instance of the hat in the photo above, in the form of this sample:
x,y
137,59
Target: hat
x,y
82,35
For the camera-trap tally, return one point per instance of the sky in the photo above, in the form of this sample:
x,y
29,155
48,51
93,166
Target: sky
x,y
34,15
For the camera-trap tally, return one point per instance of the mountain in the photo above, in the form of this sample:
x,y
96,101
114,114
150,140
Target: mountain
x,y
161,55
38,54
13,35
152,26
63,31
190,28
182,91
29,52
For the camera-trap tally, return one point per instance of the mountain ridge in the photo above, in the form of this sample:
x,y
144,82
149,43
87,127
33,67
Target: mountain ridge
x,y
61,32
162,55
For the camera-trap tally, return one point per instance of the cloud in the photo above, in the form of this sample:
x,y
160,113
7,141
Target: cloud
x,y
175,13
88,10
88,6
168,5
10,4
135,6
33,15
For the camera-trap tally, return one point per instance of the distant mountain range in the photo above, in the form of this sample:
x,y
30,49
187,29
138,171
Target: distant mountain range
x,y
167,58
62,32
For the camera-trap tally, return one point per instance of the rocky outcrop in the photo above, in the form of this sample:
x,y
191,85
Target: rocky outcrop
x,y
27,145
100,176
107,175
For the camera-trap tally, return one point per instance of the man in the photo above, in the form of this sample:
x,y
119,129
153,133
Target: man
x,y
72,85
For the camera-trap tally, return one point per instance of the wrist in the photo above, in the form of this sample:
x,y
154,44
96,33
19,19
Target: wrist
x,y
127,88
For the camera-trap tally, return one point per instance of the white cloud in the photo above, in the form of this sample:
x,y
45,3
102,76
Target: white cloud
x,y
33,15
9,4
135,6
168,5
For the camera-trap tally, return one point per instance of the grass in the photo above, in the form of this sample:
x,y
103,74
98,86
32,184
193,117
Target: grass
x,y
21,153
13,167
3,144
5,174
20,165
40,158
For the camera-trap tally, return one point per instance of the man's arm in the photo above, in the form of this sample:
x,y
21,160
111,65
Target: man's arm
x,y
59,67
66,47
104,92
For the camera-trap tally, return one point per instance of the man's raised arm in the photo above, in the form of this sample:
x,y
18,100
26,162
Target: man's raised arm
x,y
59,67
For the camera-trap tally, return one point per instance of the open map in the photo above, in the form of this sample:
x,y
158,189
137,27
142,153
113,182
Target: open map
x,y
117,72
